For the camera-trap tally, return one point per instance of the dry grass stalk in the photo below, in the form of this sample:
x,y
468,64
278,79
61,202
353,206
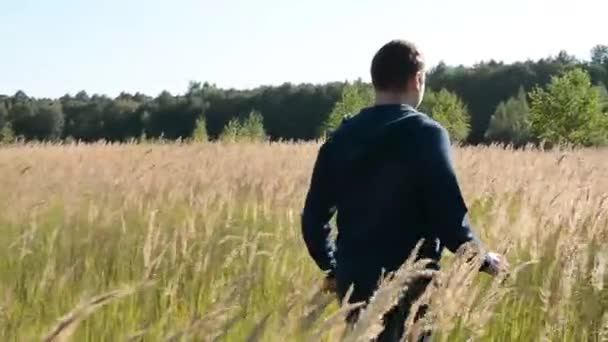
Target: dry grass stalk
x,y
196,218
67,324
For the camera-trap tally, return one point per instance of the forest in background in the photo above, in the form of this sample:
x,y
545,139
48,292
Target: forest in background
x,y
492,96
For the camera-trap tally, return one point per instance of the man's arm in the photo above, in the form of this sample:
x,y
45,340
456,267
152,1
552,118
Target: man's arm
x,y
442,198
319,208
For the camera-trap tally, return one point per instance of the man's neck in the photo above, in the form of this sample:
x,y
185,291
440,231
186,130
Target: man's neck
x,y
393,99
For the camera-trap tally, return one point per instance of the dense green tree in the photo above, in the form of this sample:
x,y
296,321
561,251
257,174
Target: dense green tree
x,y
603,97
290,111
171,116
7,134
49,121
568,111
200,131
483,86
564,58
36,119
599,54
449,110
84,116
251,129
122,118
509,124
3,112
231,132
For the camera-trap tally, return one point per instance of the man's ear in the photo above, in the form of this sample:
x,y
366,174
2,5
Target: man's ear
x,y
415,83
420,79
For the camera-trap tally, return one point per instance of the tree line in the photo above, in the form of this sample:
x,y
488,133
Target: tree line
x,y
484,103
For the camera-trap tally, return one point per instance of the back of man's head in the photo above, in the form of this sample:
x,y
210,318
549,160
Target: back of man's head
x,y
398,67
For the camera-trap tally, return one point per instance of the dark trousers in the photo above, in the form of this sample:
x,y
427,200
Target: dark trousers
x,y
394,320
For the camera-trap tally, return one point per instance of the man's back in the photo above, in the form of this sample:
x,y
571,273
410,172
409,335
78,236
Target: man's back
x,y
388,174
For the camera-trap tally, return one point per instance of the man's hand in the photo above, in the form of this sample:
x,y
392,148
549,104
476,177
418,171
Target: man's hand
x,y
329,284
495,264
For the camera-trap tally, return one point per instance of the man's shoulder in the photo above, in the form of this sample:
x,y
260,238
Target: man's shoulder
x,y
345,124
426,122
422,125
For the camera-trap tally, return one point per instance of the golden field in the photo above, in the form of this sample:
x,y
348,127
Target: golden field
x,y
174,242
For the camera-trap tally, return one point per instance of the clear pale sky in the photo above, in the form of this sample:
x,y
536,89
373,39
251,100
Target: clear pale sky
x,y
53,47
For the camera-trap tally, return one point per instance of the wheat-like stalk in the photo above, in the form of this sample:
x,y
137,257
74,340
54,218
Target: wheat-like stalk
x,y
67,324
202,219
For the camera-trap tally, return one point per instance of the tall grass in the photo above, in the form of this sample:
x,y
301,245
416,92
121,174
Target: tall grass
x,y
202,242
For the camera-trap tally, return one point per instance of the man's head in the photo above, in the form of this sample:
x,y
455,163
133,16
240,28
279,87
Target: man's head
x,y
398,73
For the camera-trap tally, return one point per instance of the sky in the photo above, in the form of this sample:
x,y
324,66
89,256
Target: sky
x,y
51,48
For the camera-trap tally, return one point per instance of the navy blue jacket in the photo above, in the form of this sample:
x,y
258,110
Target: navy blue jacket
x,y
388,175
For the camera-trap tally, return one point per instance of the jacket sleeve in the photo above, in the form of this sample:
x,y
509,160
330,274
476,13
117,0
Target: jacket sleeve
x,y
442,200
319,209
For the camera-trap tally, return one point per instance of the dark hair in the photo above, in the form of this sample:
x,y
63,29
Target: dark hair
x,y
395,64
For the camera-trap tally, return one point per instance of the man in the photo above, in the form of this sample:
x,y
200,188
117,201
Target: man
x,y
388,174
